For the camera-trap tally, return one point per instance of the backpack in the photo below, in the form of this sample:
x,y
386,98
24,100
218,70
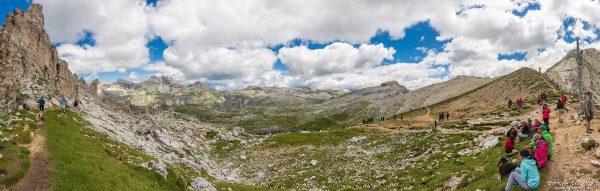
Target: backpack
x,y
505,167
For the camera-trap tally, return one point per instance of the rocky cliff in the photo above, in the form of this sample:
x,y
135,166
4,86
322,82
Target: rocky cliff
x,y
28,57
564,72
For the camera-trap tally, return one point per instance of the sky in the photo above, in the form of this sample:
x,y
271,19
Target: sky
x,y
321,44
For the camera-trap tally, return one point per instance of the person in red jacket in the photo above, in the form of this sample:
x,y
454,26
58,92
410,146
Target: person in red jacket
x,y
563,98
509,146
546,114
520,104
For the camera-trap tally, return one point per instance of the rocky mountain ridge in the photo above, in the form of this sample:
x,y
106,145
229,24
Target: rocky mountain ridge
x,y
29,62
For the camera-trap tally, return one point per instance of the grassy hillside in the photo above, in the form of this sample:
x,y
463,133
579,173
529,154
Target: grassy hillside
x,y
83,159
359,159
492,98
14,160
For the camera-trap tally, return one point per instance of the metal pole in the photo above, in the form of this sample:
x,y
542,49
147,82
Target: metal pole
x,y
579,72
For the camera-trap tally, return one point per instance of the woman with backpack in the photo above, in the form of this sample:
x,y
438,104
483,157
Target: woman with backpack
x,y
41,102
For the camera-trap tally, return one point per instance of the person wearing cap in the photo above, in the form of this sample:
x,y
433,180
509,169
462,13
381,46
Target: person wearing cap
x,y
588,112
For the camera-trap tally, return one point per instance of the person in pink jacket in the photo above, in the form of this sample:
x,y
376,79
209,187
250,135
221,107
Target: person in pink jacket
x,y
541,151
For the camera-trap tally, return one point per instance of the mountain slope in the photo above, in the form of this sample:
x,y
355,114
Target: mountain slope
x,y
27,57
524,83
564,72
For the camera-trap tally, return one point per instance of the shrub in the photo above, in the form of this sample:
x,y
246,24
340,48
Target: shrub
x,y
589,144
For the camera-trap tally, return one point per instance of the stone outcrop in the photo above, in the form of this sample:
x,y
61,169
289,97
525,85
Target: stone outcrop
x,y
564,72
94,87
27,56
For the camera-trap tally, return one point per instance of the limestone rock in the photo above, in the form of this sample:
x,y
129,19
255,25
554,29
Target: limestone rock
x,y
200,184
28,57
489,142
94,87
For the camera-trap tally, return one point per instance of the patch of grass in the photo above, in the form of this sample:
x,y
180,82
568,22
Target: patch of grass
x,y
456,124
493,124
313,138
589,145
82,161
223,185
14,163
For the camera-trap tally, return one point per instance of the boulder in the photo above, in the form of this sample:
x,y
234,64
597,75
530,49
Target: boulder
x,y
489,142
200,184
358,139
160,167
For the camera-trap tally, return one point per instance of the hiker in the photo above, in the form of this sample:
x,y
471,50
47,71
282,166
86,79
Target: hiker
x,y
76,104
519,104
447,116
560,106
544,97
63,103
440,116
563,98
546,114
42,102
545,127
525,130
588,112
509,104
541,150
509,146
536,124
548,138
401,116
435,123
527,175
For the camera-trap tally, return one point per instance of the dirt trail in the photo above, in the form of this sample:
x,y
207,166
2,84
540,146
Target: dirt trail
x,y
569,162
37,176
426,119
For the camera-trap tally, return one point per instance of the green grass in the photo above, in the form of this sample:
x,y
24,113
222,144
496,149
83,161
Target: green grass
x,y
86,160
498,123
332,137
15,158
14,163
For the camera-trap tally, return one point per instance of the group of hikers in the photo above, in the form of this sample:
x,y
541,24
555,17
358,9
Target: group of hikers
x,y
534,156
519,104
370,119
63,104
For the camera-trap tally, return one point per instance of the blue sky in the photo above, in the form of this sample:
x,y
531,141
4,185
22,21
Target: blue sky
x,y
419,38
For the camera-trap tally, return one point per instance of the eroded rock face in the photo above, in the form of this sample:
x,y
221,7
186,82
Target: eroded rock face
x,y
564,72
27,55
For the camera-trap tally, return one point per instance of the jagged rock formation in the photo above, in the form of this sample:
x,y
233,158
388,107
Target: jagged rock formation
x,y
27,56
164,90
564,72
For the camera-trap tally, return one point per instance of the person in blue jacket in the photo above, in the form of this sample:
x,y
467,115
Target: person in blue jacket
x,y
527,175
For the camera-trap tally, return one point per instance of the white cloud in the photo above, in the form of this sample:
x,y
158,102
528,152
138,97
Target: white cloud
x,y
165,70
221,64
226,43
579,30
133,76
119,29
334,58
211,23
